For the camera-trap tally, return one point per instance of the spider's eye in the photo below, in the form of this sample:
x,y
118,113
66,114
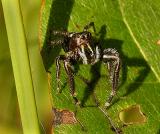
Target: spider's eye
x,y
83,36
89,35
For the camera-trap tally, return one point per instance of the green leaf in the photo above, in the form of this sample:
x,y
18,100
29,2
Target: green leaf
x,y
132,28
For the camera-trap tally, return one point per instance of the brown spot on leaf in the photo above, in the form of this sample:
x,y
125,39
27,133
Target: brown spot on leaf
x,y
132,115
63,117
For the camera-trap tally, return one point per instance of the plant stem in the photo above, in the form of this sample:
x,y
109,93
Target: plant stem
x,y
21,66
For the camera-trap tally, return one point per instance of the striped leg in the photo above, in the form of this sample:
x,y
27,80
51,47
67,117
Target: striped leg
x,y
70,74
61,33
58,67
56,42
111,58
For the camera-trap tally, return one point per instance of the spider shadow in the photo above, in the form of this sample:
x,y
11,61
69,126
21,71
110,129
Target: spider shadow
x,y
58,20
91,84
126,61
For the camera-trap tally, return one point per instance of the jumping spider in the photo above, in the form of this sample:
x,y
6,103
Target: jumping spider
x,y
80,48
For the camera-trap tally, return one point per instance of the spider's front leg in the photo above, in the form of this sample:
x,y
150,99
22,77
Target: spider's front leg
x,y
58,67
68,68
112,59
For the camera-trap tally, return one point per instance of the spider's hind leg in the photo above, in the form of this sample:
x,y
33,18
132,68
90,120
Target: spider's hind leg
x,y
61,33
112,59
56,42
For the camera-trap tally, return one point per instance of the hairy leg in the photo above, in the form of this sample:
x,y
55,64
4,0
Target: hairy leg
x,y
111,58
67,66
61,33
58,67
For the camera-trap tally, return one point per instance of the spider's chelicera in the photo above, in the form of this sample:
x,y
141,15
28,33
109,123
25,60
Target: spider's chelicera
x,y
79,47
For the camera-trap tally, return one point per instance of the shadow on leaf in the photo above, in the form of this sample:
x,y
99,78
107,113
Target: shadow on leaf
x,y
58,20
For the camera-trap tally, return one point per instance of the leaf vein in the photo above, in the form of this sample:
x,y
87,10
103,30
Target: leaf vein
x,y
136,41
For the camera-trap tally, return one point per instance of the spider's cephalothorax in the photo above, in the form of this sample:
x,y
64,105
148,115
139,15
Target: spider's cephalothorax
x,y
79,47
